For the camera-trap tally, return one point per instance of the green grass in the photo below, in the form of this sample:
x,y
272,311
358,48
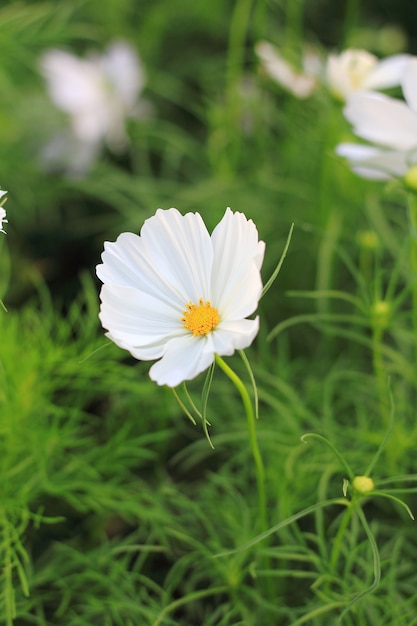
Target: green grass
x,y
114,508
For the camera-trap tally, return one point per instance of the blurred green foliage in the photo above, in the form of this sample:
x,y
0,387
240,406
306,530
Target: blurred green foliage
x,y
113,506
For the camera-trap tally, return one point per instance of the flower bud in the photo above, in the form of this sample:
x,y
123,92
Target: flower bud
x,y
367,239
380,313
363,484
410,178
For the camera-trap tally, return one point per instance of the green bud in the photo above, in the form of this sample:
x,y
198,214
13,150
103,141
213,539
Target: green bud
x,y
367,239
380,313
363,484
410,178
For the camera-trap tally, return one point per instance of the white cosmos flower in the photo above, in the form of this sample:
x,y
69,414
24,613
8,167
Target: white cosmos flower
x,y
177,294
98,93
300,84
2,212
358,70
390,124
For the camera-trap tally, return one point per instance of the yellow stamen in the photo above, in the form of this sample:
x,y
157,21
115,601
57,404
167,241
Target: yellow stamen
x,y
201,318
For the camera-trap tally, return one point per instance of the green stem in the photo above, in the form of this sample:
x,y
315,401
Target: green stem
x,y
351,21
191,597
250,414
413,266
235,65
337,544
380,373
294,28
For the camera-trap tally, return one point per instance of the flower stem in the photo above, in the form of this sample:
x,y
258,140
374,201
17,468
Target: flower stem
x,y
413,266
380,374
337,544
239,27
260,470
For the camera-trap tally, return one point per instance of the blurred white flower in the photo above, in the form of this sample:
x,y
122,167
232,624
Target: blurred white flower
x,y
389,123
358,70
177,294
98,93
300,84
2,211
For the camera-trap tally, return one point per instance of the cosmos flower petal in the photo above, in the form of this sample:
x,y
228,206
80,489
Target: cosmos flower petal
x,y
183,359
387,73
238,256
374,163
299,84
3,219
180,249
144,353
137,318
348,71
3,214
73,83
234,335
171,259
383,120
125,263
409,85
123,67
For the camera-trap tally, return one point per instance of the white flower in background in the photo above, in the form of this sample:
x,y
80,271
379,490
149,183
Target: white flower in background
x,y
98,93
358,70
2,211
300,84
177,294
389,123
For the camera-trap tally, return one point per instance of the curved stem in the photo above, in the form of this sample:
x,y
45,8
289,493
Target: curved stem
x,y
191,597
251,420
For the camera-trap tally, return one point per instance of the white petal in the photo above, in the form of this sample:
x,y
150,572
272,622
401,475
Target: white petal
x,y
371,162
184,358
387,73
409,84
171,259
74,84
180,249
238,255
148,353
122,66
234,335
138,319
383,120
348,71
300,85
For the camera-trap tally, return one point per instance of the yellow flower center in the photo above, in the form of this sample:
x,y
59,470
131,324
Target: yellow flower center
x,y
201,318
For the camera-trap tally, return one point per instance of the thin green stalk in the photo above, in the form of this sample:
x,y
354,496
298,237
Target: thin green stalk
x,y
251,420
351,21
337,544
380,373
412,211
191,597
294,27
235,66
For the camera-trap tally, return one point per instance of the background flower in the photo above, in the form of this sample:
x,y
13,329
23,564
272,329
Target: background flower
x,y
2,212
176,294
388,122
358,70
98,93
300,84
